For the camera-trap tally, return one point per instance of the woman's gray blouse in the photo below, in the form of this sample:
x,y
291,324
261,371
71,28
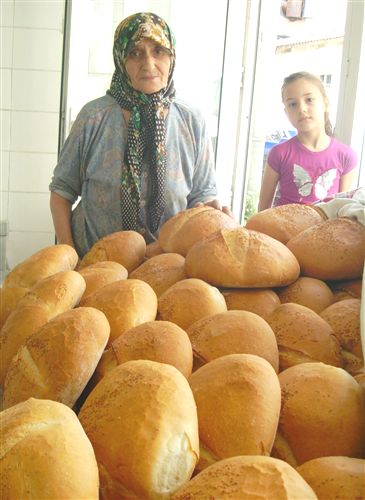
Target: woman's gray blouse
x,y
90,162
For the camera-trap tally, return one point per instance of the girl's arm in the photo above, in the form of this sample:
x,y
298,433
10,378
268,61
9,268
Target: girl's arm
x,y
61,214
268,186
348,181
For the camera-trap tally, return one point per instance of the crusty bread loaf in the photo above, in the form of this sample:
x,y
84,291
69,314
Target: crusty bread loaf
x,y
45,454
189,300
309,292
331,250
303,336
100,274
142,422
241,258
161,271
9,298
153,249
180,232
57,361
344,319
48,298
322,414
238,401
233,332
125,303
352,287
335,477
259,301
44,263
126,247
160,341
248,478
285,221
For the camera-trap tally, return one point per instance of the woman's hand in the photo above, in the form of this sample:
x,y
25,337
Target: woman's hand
x,y
218,206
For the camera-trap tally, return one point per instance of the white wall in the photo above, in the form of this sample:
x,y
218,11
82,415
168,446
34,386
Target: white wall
x,y
31,60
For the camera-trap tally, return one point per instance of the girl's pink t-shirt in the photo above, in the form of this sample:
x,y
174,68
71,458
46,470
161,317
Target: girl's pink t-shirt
x,y
306,176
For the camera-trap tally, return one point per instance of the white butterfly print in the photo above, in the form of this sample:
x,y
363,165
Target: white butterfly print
x,y
320,187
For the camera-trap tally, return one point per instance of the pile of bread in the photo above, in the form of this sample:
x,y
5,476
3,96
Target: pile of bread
x,y
220,362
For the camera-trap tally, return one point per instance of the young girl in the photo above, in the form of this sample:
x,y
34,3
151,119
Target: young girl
x,y
312,165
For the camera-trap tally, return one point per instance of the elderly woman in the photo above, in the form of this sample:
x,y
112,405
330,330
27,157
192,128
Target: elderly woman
x,y
137,155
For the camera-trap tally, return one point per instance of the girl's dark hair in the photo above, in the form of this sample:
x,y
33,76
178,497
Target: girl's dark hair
x,y
317,82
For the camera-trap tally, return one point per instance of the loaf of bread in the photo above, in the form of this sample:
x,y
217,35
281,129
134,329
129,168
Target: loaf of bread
x,y
285,221
141,419
240,258
48,298
153,249
125,303
303,336
233,332
100,274
335,477
261,301
9,299
347,289
309,292
45,453
57,361
161,271
248,478
180,232
238,401
331,250
21,278
322,414
160,341
189,300
126,247
44,263
344,319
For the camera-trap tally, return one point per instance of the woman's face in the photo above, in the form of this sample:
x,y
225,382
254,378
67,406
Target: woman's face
x,y
148,66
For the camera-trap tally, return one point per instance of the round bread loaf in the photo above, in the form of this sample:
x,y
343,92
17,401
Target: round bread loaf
x,y
153,249
160,341
285,221
238,401
125,303
322,414
309,292
183,230
126,247
303,336
48,298
348,288
335,477
57,361
233,332
344,319
248,478
44,263
189,300
331,250
161,271
45,453
142,422
242,258
259,301
100,274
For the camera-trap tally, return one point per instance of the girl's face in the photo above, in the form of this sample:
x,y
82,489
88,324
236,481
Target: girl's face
x,y
305,105
148,66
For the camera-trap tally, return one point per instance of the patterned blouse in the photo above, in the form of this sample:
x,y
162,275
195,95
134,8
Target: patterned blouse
x,y
89,169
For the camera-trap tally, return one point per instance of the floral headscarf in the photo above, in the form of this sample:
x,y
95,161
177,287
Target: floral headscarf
x,y
146,127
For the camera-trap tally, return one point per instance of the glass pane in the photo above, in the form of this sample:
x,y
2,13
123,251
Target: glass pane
x,y
306,36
